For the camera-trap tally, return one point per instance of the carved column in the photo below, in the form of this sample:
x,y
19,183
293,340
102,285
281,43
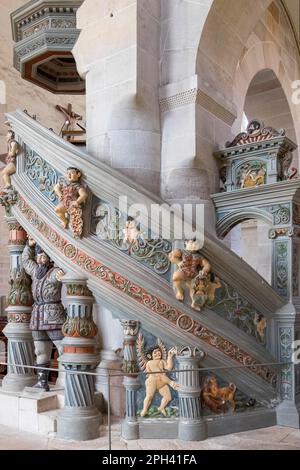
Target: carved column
x,y
286,323
79,419
130,426
19,301
191,424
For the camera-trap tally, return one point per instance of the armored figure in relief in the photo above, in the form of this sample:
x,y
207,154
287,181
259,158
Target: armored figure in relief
x,y
194,272
48,313
72,196
157,360
13,149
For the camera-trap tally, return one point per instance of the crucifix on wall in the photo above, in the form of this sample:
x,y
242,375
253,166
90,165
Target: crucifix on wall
x,y
71,127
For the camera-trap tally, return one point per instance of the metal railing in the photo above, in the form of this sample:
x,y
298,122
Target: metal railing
x,y
112,373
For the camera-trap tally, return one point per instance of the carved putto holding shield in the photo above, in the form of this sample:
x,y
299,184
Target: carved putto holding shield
x,y
160,361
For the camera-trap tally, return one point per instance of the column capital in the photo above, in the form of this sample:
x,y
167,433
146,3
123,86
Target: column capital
x,y
130,328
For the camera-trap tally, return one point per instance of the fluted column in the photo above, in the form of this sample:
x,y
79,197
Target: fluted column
x,y
191,425
20,344
130,426
79,419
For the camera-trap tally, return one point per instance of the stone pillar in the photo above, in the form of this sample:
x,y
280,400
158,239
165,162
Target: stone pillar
x,y
130,426
286,323
110,347
79,420
20,344
191,424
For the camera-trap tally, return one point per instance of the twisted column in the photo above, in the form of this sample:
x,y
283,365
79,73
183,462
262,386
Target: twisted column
x,y
19,301
191,425
130,427
79,419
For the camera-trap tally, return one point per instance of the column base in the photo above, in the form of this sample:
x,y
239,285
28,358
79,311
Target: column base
x,y
288,414
17,383
191,430
130,430
78,424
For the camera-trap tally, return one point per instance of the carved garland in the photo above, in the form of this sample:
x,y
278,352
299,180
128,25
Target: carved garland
x,y
153,303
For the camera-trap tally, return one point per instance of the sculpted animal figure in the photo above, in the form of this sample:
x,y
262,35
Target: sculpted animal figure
x,y
217,398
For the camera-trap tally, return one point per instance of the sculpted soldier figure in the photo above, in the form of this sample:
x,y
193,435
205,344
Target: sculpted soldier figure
x,y
48,313
10,160
72,196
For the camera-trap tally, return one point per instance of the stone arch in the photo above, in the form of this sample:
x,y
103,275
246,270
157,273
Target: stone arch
x,y
223,38
259,57
231,220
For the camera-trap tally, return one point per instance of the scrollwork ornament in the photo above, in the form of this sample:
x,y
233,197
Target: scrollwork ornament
x,y
281,215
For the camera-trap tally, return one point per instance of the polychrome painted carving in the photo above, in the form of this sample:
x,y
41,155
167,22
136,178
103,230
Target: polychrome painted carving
x,y
218,399
157,360
42,175
123,232
234,308
194,272
8,198
152,303
13,149
20,289
251,174
72,195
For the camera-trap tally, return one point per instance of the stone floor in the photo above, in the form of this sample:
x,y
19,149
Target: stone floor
x,y
274,438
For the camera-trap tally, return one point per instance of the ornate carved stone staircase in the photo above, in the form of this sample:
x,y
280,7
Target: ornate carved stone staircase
x,y
139,288
128,287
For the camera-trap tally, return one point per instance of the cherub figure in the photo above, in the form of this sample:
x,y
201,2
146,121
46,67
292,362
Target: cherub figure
x,y
72,196
10,160
158,360
131,232
261,325
194,272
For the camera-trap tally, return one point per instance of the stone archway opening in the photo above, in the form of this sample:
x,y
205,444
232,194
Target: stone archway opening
x,y
266,101
250,240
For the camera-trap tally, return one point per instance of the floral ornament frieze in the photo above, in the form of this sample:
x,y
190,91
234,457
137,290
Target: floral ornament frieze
x,y
230,305
42,175
148,300
110,224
